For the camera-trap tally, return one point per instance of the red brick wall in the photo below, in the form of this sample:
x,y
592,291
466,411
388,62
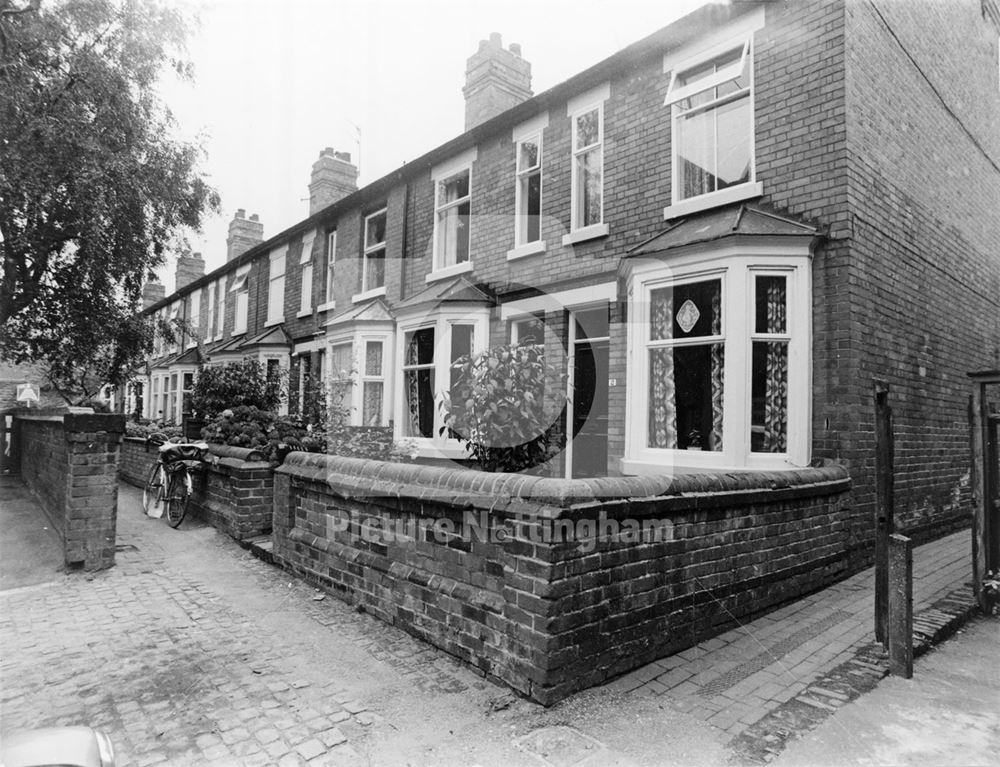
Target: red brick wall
x,y
923,281
70,462
544,616
233,492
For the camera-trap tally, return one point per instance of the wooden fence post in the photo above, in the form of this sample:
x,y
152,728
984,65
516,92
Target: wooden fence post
x,y
900,606
884,504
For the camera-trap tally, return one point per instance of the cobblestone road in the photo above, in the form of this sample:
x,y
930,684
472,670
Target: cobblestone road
x,y
191,651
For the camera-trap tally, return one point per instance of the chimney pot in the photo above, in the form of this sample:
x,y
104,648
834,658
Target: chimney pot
x,y
243,234
495,80
333,177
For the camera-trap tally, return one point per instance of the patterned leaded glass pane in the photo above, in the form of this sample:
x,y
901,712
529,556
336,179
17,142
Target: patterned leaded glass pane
x,y
371,408
373,358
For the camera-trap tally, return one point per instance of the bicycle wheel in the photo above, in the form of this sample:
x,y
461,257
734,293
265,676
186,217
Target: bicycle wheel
x,y
153,493
178,496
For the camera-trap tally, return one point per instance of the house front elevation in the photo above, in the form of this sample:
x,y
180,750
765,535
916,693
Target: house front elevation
x,y
719,236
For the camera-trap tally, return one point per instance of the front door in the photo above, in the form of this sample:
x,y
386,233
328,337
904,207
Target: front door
x,y
587,450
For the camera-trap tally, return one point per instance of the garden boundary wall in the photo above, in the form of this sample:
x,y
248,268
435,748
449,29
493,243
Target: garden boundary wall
x,y
550,585
233,492
69,461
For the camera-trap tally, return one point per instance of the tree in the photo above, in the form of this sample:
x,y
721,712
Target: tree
x,y
93,190
498,408
246,383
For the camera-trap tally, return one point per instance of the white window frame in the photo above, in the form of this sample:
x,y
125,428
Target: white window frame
x,y
357,338
531,130
438,445
329,289
368,249
736,266
576,108
210,324
195,319
220,311
364,377
241,288
306,264
276,286
175,310
440,173
739,34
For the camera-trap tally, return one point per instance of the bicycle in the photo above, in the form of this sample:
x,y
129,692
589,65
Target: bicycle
x,y
170,484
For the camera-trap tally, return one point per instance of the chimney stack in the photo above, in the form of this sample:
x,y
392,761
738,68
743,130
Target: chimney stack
x,y
244,233
334,177
152,292
189,269
495,80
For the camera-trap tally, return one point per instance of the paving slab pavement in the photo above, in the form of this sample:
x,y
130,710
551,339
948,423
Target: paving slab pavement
x,y
30,549
947,714
191,651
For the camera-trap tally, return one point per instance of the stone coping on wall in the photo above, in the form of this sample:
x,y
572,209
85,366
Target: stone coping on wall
x,y
560,498
86,421
221,451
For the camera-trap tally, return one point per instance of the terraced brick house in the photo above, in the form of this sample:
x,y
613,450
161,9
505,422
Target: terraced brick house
x,y
721,234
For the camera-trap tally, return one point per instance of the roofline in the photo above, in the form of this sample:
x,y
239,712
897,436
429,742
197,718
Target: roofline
x,y
678,33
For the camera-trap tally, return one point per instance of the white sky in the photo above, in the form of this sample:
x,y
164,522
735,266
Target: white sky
x,y
276,81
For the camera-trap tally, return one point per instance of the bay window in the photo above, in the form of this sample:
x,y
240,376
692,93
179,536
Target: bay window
x,y
427,351
718,363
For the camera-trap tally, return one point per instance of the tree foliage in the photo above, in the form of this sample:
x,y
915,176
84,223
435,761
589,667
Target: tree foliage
x,y
237,384
93,190
498,407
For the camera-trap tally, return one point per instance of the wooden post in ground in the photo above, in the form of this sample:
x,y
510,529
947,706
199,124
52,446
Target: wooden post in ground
x,y
884,504
900,628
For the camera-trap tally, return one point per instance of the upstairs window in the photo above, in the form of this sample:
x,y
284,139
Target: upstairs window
x,y
373,257
588,168
194,318
711,100
241,290
210,324
451,222
306,262
276,286
331,262
220,312
529,190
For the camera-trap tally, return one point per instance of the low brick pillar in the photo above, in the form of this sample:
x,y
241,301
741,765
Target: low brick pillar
x,y
234,492
70,463
554,585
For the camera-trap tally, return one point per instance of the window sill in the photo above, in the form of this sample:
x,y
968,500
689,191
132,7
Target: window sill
x,y
591,232
425,448
304,313
724,197
449,271
528,249
700,462
238,332
357,298
272,323
329,306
